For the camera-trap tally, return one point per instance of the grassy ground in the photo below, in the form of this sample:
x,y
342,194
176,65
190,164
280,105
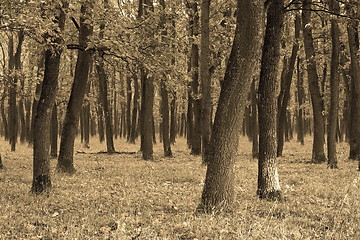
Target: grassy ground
x,y
124,197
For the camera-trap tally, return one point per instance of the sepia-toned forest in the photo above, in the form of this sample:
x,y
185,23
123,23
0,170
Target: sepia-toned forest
x,y
184,119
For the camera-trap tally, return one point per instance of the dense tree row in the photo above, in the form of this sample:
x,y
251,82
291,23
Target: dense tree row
x,y
204,70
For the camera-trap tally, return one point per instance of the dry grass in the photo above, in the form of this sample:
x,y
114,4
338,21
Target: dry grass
x,y
123,197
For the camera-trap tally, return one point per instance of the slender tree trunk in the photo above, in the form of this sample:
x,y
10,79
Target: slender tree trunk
x,y
165,120
318,154
334,87
103,91
66,154
41,160
54,132
284,99
218,192
189,118
100,122
4,120
268,178
205,75
300,97
12,96
173,124
128,107
134,118
254,120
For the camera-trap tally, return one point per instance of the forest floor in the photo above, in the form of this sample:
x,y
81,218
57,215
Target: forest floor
x,y
121,196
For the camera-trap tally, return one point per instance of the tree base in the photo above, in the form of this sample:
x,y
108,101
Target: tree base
x,y
332,166
272,195
41,184
1,165
66,169
319,159
223,207
147,157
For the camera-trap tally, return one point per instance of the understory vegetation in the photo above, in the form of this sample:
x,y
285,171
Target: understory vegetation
x,y
121,196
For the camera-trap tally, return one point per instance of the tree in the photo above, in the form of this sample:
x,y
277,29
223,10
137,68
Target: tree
x,y
334,87
268,178
218,192
284,96
205,74
41,161
65,160
318,154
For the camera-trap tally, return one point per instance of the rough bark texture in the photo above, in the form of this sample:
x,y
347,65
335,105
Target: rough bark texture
x,y
218,193
318,153
65,160
41,161
205,75
268,178
334,87
354,128
285,97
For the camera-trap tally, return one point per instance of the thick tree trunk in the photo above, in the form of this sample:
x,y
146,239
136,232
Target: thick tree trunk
x,y
353,39
318,154
41,161
334,87
268,178
285,97
66,154
100,116
54,132
205,75
219,193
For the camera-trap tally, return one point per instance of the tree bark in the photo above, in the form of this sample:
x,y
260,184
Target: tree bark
x,y
334,87
318,154
54,132
218,193
41,161
268,178
165,120
128,107
300,98
254,120
205,75
66,154
353,39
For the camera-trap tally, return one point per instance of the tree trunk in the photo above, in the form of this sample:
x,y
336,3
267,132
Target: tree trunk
x,y
65,160
268,178
254,120
205,75
4,120
285,97
318,154
218,193
134,118
334,87
300,98
100,122
189,118
173,127
103,91
12,113
54,132
165,120
128,107
353,39
41,161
